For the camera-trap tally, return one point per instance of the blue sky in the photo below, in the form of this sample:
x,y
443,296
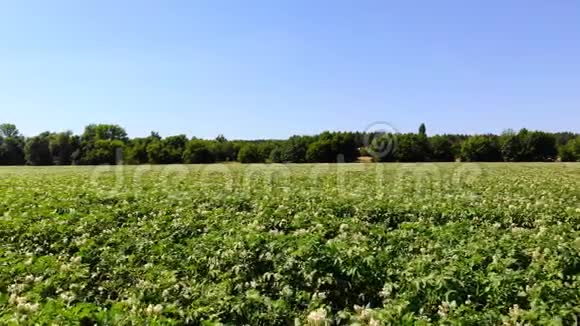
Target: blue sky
x,y
270,69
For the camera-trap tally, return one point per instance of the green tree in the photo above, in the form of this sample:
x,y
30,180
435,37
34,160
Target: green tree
x,y
332,147
422,130
382,146
37,150
570,152
221,139
481,149
511,146
344,143
538,146
136,150
198,151
101,144
167,151
441,148
174,148
562,138
104,151
321,151
11,145
411,148
224,151
277,155
249,153
295,148
8,130
156,152
104,132
62,146
264,149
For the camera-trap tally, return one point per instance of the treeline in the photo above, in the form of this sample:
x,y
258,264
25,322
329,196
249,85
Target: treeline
x,y
109,144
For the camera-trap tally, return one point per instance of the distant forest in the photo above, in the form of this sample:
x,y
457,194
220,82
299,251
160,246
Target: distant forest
x,y
109,144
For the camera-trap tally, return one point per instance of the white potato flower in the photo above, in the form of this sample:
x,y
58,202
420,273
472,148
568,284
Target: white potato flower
x,y
153,310
317,317
28,307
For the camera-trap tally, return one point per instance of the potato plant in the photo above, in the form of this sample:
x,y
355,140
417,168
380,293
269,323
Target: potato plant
x,y
324,244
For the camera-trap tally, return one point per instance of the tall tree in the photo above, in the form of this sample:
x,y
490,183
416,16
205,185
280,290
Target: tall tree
x,y
422,130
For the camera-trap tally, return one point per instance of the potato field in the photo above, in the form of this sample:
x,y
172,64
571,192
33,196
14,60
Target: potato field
x,y
311,244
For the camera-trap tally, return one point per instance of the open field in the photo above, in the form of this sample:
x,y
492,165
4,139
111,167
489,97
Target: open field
x,y
278,244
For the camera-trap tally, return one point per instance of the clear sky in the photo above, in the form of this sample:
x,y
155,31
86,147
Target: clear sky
x,y
270,69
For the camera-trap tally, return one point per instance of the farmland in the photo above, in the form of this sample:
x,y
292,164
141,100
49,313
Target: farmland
x,y
276,244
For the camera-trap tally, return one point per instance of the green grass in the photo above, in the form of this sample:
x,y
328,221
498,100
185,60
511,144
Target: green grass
x,y
271,244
